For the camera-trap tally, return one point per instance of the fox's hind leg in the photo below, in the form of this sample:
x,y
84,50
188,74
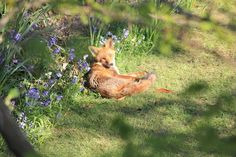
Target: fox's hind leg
x,y
136,86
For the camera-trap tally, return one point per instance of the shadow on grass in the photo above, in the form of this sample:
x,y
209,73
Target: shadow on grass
x,y
172,126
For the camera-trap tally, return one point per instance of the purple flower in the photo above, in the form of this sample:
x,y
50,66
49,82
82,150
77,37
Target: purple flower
x,y
74,80
52,41
51,81
71,55
17,37
45,93
125,33
26,14
109,34
81,89
85,65
46,102
45,85
57,50
22,120
33,93
59,97
114,38
13,102
34,26
59,75
87,68
15,61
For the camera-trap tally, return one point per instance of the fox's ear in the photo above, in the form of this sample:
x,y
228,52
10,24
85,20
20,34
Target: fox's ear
x,y
109,43
94,50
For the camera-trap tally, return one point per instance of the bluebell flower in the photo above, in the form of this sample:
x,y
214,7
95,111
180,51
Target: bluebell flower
x,y
21,115
81,89
74,80
13,102
125,33
59,97
17,37
46,102
57,50
80,64
114,38
85,65
52,41
45,85
51,81
71,56
26,13
109,34
22,120
33,93
59,75
45,93
34,26
87,68
15,61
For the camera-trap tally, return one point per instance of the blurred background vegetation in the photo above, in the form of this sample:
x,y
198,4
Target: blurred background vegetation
x,y
189,43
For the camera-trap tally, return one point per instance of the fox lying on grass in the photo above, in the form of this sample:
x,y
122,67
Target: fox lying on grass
x,y
105,79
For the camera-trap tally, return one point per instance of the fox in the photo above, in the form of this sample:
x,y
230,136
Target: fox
x,y
104,76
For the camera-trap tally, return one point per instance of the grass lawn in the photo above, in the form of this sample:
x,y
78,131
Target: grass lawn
x,y
152,123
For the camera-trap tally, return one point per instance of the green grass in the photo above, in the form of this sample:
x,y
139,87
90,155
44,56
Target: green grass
x,y
156,124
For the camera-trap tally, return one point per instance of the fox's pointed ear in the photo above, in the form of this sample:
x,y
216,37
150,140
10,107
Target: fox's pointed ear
x,y
109,43
94,50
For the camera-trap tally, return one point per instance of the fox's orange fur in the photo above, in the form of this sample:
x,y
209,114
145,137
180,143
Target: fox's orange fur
x,y
104,76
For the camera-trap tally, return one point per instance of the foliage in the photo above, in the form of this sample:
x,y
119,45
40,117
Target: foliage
x,y
38,61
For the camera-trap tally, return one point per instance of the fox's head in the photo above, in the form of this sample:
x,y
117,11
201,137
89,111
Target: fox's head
x,y
104,55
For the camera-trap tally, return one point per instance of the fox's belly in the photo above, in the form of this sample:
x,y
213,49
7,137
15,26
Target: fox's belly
x,y
110,87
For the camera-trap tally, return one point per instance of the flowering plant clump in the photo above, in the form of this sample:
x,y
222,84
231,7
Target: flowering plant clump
x,y
41,93
43,96
48,89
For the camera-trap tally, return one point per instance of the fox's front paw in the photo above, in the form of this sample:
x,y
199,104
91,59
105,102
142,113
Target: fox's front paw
x,y
151,77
